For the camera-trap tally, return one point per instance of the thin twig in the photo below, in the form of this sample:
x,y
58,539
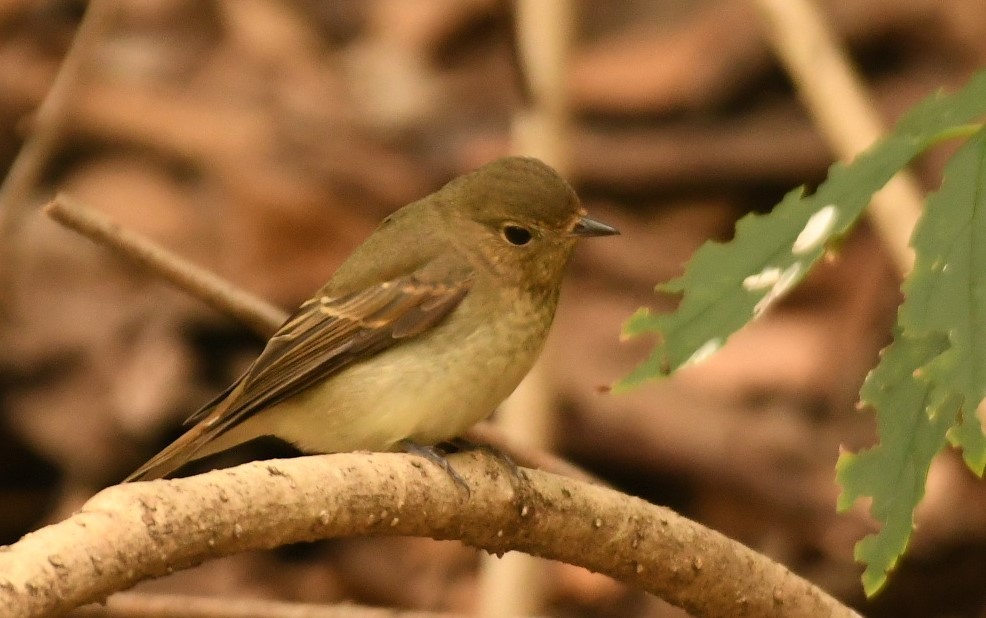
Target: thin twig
x,y
262,317
53,114
837,99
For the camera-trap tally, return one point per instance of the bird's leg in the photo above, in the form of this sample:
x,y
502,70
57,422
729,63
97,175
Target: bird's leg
x,y
438,458
464,444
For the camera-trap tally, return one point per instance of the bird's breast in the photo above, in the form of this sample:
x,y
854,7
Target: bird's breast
x,y
428,388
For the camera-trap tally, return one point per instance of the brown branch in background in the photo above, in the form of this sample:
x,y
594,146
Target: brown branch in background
x,y
47,129
128,533
521,80
150,605
262,317
52,115
516,585
843,111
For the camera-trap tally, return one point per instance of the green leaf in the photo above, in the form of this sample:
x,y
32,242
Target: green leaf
x,y
912,424
927,386
727,285
946,292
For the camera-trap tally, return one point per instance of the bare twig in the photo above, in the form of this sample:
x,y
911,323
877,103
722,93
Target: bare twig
x,y
53,113
133,532
147,605
261,316
841,107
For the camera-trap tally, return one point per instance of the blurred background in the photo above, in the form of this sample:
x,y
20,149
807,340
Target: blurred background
x,y
265,139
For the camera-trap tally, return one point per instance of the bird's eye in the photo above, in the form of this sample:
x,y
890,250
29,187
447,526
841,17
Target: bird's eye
x,y
516,235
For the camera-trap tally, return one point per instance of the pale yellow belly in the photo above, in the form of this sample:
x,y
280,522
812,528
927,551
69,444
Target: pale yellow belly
x,y
416,391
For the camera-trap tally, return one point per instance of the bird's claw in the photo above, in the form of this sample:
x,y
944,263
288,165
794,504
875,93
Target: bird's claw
x,y
438,458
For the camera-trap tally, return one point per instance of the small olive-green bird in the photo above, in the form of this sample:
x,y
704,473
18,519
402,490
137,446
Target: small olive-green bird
x,y
427,327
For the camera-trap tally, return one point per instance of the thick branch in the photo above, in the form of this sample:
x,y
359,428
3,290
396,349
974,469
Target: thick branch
x,y
129,533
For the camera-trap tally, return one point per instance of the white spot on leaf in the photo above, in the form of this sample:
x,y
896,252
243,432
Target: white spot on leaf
x,y
707,349
817,230
783,285
763,279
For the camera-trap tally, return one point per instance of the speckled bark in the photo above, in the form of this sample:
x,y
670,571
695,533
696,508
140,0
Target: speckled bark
x,y
129,533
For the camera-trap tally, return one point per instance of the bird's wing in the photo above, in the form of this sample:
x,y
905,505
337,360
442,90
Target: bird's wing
x,y
328,333
322,337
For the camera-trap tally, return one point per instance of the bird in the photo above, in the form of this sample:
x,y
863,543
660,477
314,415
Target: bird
x,y
422,331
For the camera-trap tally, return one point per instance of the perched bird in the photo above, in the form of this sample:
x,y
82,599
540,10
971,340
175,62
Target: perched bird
x,y
423,331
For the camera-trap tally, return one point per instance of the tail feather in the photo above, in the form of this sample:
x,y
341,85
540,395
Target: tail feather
x,y
210,434
174,456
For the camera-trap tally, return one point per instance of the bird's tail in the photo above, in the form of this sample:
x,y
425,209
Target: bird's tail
x,y
174,456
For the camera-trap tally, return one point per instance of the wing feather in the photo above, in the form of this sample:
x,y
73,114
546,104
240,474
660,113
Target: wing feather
x,y
325,334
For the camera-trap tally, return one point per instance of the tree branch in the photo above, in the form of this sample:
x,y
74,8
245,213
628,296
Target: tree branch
x,y
260,316
129,533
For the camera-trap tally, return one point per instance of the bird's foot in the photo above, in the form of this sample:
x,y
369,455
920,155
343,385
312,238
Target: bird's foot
x,y
463,444
438,458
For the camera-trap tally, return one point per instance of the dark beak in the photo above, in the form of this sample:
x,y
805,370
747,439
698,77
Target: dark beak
x,y
587,227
